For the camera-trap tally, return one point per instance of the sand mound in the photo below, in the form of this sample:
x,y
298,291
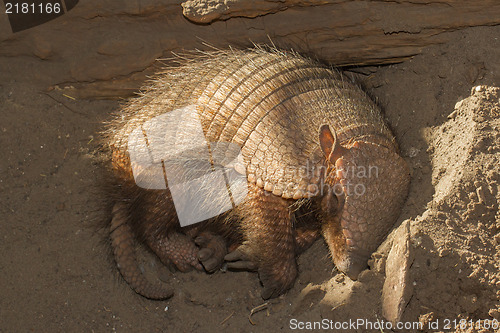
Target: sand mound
x,y
460,229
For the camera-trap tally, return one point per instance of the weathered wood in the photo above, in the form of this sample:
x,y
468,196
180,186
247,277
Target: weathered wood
x,y
352,32
100,40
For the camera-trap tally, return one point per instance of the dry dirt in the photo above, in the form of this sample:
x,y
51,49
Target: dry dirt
x,y
57,274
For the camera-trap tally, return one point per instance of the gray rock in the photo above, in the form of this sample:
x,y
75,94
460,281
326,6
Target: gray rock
x,y
398,288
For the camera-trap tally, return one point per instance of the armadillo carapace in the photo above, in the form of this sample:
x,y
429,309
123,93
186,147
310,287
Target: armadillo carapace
x,y
309,140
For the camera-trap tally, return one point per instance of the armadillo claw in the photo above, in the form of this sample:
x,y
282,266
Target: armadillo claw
x,y
276,277
240,260
242,266
213,248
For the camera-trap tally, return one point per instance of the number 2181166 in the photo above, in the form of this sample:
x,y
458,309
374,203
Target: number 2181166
x,y
466,324
31,8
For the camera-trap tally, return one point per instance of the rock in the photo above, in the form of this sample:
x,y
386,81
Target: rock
x,y
309,296
42,48
201,11
426,319
494,313
378,263
398,288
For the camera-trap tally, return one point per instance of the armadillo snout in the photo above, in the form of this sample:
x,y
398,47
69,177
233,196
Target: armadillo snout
x,y
374,180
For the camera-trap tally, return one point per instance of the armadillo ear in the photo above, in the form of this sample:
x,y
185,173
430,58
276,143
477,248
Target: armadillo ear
x,y
326,140
330,145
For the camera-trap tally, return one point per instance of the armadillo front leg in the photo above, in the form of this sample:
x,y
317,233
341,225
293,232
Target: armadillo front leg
x,y
269,244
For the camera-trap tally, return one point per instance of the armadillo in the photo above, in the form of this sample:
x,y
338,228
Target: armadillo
x,y
309,140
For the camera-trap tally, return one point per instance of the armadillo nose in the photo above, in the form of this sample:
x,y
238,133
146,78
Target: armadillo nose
x,y
353,265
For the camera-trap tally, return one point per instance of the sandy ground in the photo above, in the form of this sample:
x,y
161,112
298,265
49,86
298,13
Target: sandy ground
x,y
57,273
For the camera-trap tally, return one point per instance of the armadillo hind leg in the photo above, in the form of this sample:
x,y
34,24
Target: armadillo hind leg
x,y
269,244
157,224
177,249
122,241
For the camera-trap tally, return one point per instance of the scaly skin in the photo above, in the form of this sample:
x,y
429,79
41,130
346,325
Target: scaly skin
x,y
122,241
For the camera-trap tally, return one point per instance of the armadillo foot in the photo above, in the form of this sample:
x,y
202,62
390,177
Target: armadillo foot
x,y
276,277
239,259
212,250
176,249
